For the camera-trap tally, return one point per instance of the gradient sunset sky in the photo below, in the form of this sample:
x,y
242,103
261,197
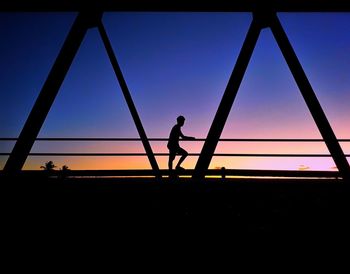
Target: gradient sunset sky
x,y
175,64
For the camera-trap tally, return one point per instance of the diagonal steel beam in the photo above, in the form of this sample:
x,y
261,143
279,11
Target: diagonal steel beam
x,y
310,97
49,90
128,98
227,100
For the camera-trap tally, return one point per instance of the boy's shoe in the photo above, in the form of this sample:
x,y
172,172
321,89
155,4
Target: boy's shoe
x,y
180,168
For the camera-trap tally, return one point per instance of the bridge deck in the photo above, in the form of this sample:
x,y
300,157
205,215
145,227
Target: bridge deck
x,y
218,173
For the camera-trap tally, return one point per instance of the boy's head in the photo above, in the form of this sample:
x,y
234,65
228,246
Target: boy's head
x,y
180,120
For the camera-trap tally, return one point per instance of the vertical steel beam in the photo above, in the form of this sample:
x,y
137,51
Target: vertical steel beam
x,y
128,98
310,97
49,91
227,100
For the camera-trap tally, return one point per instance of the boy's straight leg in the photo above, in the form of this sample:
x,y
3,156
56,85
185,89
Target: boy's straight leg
x,y
172,154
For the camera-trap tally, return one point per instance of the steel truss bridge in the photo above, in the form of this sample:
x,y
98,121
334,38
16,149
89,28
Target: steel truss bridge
x,y
265,15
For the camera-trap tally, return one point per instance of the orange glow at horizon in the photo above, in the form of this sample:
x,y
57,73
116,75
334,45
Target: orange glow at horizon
x,y
140,162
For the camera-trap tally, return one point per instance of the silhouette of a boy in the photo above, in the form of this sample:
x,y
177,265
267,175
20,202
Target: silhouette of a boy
x,y
173,144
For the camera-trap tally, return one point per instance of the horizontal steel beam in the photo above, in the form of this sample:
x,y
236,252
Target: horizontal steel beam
x,y
175,5
209,172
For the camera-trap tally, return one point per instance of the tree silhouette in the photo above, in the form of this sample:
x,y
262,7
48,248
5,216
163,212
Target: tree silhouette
x,y
49,166
64,168
63,172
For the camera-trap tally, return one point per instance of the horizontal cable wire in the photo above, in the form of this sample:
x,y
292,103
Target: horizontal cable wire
x,y
166,139
167,154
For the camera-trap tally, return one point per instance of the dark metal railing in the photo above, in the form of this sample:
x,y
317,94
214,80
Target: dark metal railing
x,y
166,154
164,172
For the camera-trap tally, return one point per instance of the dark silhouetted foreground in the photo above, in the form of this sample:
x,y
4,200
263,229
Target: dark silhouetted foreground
x,y
233,205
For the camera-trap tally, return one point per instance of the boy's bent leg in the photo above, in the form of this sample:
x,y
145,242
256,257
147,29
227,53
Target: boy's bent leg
x,y
183,154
